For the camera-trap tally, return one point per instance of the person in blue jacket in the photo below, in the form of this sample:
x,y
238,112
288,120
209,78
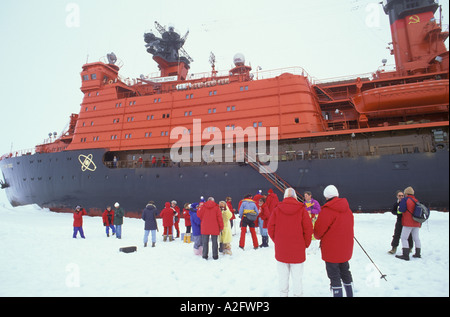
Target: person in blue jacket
x,y
248,212
149,215
196,232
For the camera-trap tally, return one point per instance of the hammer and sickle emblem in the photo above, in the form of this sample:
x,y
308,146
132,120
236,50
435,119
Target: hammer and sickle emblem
x,y
87,163
414,19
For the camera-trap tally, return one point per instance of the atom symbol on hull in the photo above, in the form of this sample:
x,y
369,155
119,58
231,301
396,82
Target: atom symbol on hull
x,y
87,164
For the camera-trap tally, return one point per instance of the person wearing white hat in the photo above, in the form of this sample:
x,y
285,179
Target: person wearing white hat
x,y
334,227
118,219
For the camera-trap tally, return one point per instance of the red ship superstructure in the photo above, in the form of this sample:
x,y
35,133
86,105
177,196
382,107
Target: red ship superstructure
x,y
378,123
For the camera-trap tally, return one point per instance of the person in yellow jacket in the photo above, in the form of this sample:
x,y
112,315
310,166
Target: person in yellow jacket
x,y
225,235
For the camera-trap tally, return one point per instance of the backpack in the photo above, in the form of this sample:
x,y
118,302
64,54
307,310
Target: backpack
x,y
421,213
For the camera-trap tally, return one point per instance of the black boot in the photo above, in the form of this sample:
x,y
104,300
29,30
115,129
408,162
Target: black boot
x,y
405,255
417,255
337,291
348,289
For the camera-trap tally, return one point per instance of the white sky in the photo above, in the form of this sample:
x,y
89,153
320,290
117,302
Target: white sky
x,y
42,51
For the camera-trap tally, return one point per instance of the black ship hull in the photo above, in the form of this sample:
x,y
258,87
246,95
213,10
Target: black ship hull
x,y
60,181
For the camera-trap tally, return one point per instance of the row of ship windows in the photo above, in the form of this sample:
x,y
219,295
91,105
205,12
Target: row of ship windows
x,y
186,113
166,133
164,115
156,100
205,175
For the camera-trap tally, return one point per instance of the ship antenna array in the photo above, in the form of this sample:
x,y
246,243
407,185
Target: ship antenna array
x,y
161,29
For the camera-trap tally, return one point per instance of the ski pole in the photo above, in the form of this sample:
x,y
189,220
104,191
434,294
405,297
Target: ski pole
x,y
382,275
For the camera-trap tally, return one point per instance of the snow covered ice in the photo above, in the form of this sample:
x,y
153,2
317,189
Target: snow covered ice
x,y
40,258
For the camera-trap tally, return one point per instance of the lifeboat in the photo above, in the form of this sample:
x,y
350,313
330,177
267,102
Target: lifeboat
x,y
402,97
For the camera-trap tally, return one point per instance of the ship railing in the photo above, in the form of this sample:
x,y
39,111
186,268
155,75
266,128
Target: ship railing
x,y
342,79
282,156
18,153
255,75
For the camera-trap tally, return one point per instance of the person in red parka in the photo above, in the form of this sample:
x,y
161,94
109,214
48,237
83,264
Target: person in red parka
x,y
167,216
212,224
78,222
187,219
410,226
108,220
334,229
290,228
177,217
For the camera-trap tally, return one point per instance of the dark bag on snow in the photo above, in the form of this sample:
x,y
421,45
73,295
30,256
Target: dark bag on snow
x,y
128,249
421,213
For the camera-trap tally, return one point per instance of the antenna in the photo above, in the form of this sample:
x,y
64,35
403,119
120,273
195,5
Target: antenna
x,y
212,59
161,29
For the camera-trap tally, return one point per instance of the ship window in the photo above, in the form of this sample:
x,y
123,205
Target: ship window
x,y
93,76
148,134
296,120
85,77
150,117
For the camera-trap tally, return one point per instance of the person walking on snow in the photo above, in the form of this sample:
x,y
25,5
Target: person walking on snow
x,y
264,214
78,222
212,224
248,212
291,230
398,225
313,208
118,220
187,223
410,226
225,235
334,229
167,216
108,220
149,215
196,231
177,216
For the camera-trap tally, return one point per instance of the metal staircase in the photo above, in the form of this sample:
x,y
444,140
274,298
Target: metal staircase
x,y
271,176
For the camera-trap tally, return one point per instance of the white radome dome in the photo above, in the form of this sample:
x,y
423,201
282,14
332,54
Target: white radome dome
x,y
239,59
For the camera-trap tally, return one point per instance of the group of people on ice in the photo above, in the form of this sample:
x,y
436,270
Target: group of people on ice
x,y
112,219
292,226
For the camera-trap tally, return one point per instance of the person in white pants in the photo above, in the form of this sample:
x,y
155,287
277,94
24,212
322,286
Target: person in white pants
x,y
290,228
